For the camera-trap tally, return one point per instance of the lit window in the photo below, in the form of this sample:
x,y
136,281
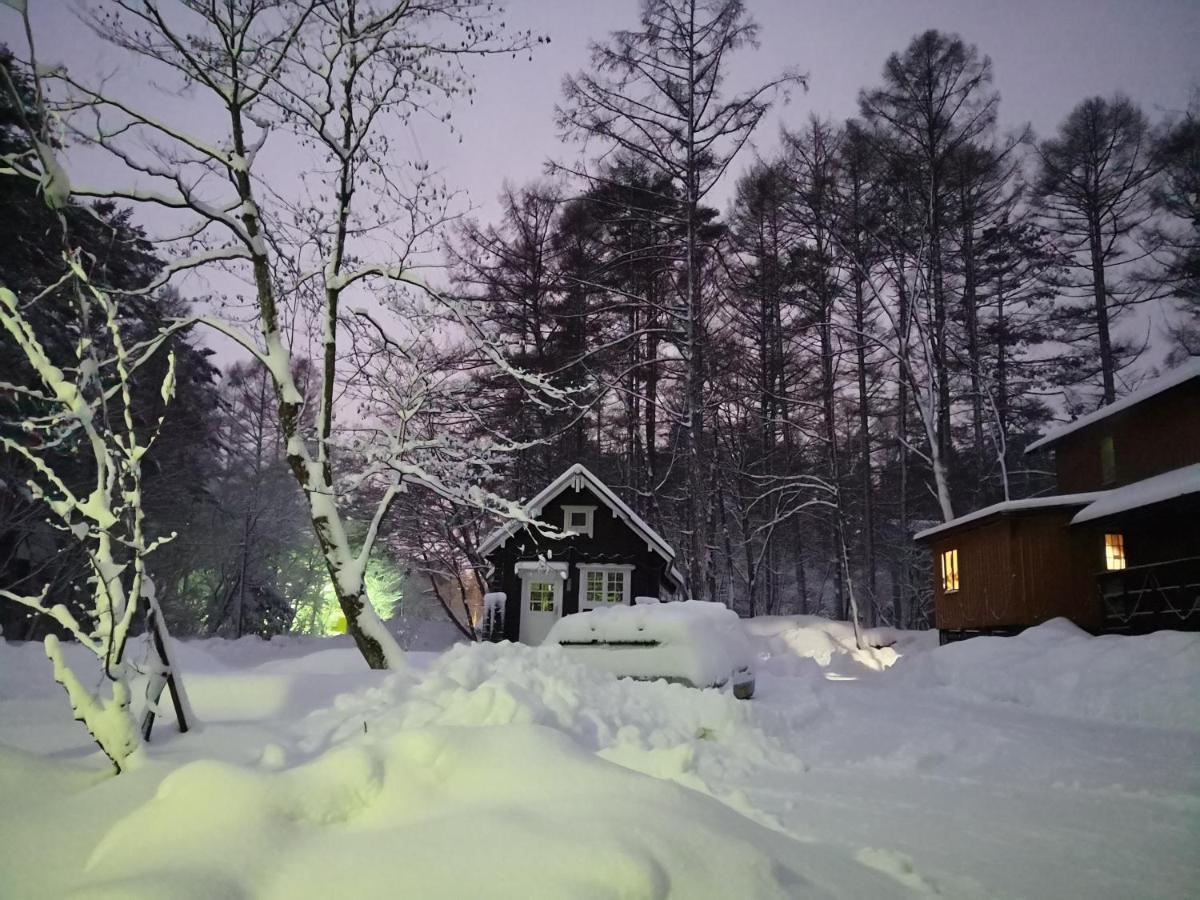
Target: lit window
x,y
541,596
950,571
1114,551
1108,460
595,587
616,587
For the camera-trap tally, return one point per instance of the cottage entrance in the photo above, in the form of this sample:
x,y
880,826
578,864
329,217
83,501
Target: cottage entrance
x,y
541,604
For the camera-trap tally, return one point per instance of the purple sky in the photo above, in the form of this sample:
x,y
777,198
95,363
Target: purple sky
x,y
1048,55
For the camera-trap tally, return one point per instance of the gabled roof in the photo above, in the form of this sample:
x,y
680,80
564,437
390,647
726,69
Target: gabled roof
x,y
575,478
1148,491
1173,378
1010,507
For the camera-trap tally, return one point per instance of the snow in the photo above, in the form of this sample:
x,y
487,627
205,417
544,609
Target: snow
x,y
791,645
1048,765
1059,669
1012,506
701,642
1175,377
1167,486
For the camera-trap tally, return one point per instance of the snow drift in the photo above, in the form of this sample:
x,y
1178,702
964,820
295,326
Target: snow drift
x,y
1057,668
428,813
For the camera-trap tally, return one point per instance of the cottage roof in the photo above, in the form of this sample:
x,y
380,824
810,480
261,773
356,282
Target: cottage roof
x,y
1173,378
1009,507
1167,486
576,477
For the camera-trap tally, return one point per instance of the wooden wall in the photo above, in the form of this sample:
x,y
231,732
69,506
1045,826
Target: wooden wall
x,y
984,595
1056,566
1157,435
1019,570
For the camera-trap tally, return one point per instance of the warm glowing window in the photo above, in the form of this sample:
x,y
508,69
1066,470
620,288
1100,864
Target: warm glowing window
x,y
541,596
950,571
1114,551
1108,460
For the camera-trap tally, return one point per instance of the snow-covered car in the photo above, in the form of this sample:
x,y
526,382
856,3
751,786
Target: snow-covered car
x,y
691,642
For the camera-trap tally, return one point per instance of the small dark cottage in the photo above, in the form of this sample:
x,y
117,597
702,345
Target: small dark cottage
x,y
1117,551
610,557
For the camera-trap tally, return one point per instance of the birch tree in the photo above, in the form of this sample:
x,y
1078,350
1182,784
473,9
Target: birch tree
x,y
87,403
109,520
331,81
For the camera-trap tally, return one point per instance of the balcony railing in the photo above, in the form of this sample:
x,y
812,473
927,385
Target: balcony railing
x,y
1152,597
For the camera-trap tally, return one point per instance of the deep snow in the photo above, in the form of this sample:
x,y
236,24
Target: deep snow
x,y
1052,764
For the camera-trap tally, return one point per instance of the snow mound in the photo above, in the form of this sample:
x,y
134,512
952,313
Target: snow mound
x,y
1057,668
789,645
426,813
667,730
702,642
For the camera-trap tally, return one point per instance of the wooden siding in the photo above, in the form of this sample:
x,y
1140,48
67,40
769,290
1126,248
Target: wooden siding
x,y
1158,435
1056,565
984,584
1019,570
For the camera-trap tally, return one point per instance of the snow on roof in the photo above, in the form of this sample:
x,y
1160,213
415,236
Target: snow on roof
x,y
576,477
1173,378
1012,506
1167,486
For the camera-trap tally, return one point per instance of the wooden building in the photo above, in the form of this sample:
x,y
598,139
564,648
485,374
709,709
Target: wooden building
x,y
609,556
1118,550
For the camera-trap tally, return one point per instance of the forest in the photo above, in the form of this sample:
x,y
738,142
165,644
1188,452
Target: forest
x,y
787,384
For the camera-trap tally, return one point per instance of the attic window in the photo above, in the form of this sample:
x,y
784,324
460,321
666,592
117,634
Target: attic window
x,y
950,571
1114,552
1108,460
578,519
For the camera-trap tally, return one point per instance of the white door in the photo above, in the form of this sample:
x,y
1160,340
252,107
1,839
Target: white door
x,y
541,605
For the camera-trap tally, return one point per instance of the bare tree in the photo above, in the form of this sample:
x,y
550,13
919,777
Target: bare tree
x,y
330,80
656,94
1093,187
936,98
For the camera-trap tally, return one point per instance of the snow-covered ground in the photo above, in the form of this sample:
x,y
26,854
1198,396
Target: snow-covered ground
x,y
1047,765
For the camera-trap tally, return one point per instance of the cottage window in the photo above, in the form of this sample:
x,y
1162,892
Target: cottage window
x,y
541,596
1108,460
615,590
578,519
595,587
950,571
1114,552
603,584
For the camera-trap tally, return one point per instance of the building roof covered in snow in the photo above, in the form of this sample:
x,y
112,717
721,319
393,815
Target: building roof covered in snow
x,y
1171,379
1158,489
576,477
1012,507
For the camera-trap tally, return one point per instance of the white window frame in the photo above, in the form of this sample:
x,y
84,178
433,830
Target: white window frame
x,y
626,587
589,511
